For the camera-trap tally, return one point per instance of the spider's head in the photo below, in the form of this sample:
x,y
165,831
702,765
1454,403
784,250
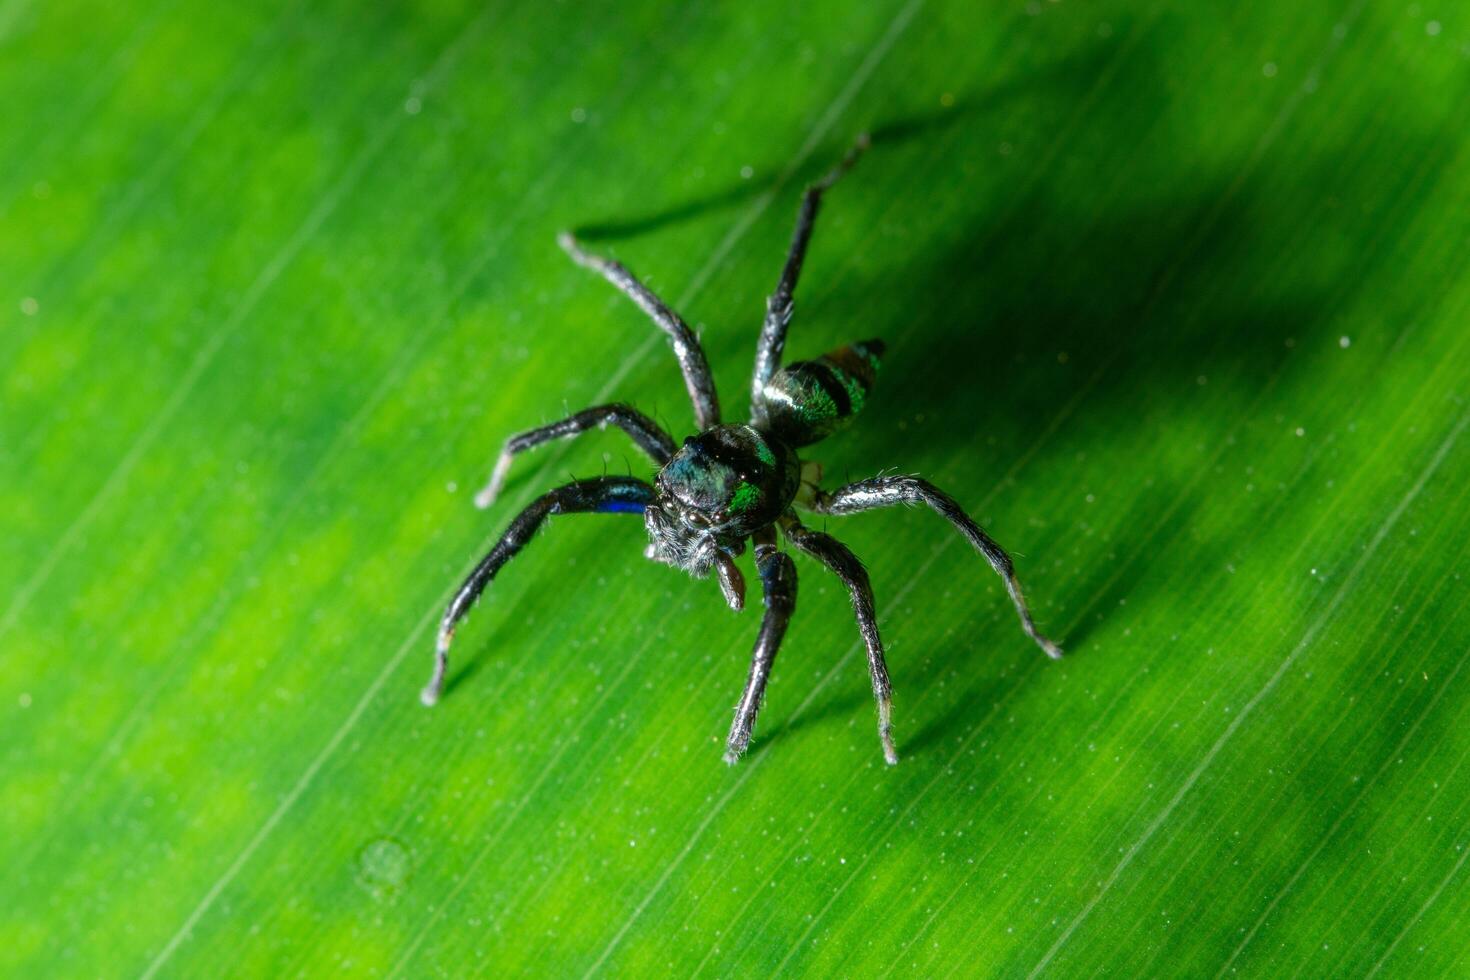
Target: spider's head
x,y
681,538
720,487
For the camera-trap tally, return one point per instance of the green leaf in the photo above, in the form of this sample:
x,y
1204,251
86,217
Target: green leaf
x,y
1175,302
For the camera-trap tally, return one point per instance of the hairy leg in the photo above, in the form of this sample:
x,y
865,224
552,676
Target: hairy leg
x,y
845,565
644,431
697,377
885,491
778,307
607,495
778,587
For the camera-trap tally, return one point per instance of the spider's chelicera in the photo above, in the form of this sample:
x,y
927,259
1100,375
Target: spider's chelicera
x,y
737,481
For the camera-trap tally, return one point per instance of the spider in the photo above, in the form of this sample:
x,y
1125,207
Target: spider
x,y
737,481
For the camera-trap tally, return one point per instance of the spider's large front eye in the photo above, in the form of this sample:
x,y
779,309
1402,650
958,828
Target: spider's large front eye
x,y
697,518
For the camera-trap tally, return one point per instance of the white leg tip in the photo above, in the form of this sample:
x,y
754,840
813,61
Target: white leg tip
x,y
491,491
429,696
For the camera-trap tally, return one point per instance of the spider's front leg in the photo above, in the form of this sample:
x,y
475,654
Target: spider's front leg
x,y
606,495
778,586
846,566
697,377
644,431
885,491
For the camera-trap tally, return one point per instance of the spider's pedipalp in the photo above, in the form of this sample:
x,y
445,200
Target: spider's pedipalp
x,y
732,583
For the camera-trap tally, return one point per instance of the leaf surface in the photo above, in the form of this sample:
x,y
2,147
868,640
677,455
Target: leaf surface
x,y
1174,301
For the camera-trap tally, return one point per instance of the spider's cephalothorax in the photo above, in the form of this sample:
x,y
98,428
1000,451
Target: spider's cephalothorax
x,y
721,487
731,483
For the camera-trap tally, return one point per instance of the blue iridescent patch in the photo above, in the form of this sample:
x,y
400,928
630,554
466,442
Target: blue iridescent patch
x,y
621,507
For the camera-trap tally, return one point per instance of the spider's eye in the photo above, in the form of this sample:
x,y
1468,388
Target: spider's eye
x,y
698,518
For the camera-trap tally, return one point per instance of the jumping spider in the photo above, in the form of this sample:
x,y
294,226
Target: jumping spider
x,y
734,481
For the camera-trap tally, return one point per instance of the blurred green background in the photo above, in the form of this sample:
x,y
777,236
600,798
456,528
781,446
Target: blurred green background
x,y
1176,303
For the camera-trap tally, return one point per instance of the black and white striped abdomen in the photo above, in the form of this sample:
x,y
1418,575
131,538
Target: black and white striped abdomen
x,y
809,400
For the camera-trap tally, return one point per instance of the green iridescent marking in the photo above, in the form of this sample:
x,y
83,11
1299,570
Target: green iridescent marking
x,y
744,498
817,404
856,392
763,451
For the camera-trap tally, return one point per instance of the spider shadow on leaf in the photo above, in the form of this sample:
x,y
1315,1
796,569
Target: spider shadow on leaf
x,y
1151,298
1065,71
767,178
1143,287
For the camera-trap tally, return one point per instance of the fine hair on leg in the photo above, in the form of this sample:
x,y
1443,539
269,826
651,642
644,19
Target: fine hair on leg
x,y
885,491
608,495
780,303
778,589
649,436
697,377
846,566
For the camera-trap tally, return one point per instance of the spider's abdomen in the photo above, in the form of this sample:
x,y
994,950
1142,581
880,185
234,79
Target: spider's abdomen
x,y
732,479
809,400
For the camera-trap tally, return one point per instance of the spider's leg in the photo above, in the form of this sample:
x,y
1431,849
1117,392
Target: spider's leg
x,y
697,377
644,431
845,565
885,491
778,586
607,495
779,305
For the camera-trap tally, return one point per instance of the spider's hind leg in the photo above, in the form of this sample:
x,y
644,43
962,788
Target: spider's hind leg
x,y
779,305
